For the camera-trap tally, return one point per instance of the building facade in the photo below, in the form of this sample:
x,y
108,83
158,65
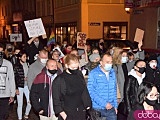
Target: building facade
x,y
97,18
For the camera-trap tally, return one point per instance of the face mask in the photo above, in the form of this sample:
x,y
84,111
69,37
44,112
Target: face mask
x,y
111,52
52,71
73,71
153,65
43,61
9,49
108,67
142,70
150,102
124,59
102,43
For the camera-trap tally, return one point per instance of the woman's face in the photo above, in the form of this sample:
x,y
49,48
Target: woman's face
x,y
73,65
153,95
23,58
55,55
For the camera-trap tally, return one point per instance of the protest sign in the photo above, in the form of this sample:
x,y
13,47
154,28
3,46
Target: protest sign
x,y
139,36
35,27
81,40
15,37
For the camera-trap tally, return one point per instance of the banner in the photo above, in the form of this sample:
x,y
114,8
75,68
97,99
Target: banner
x,y
35,27
81,40
15,37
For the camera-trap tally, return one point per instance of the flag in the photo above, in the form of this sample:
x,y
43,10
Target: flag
x,y
51,39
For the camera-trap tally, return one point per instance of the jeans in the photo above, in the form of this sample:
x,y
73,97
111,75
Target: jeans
x,y
4,108
108,114
24,90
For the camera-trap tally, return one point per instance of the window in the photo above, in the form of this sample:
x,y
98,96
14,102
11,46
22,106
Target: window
x,y
66,31
116,30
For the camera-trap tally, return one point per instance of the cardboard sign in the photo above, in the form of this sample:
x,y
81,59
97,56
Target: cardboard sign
x,y
81,40
35,27
139,36
15,37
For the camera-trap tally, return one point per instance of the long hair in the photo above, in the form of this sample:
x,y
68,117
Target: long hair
x,y
143,90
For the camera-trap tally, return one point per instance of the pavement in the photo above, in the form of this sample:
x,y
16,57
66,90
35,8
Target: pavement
x,y
13,113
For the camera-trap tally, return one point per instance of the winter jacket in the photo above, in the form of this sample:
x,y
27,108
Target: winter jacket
x,y
59,87
101,89
153,76
131,88
39,93
19,75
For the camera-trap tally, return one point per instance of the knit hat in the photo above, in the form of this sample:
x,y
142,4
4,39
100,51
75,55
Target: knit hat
x,y
152,57
92,57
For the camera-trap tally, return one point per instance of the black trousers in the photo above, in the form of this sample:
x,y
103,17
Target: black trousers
x,y
4,108
74,114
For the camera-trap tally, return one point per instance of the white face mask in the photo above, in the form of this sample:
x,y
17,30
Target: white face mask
x,y
124,59
43,61
153,65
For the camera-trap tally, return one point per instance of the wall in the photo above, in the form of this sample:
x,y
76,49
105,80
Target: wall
x,y
146,21
105,13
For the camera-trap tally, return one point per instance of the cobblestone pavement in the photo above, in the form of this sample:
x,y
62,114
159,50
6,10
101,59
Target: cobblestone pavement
x,y
13,114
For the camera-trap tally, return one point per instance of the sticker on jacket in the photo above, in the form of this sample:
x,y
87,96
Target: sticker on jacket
x,y
3,76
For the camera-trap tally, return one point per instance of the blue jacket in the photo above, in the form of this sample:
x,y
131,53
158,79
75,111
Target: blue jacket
x,y
101,89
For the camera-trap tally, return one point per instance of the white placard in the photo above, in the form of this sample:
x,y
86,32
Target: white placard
x,y
35,27
81,40
15,37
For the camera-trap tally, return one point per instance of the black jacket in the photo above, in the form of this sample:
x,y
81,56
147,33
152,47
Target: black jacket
x,y
32,50
19,75
130,91
59,88
132,115
153,76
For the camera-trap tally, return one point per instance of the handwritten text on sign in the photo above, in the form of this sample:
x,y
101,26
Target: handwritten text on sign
x,y
81,40
15,37
35,27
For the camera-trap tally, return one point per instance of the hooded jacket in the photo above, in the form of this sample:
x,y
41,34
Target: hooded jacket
x,y
7,84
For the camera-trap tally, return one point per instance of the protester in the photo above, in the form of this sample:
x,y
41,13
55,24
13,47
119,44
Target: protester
x,y
55,54
41,91
103,88
36,67
101,47
147,98
70,96
33,46
21,70
7,85
152,71
135,78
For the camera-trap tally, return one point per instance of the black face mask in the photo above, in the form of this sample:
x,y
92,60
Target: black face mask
x,y
150,102
73,71
52,71
9,49
142,70
134,52
102,43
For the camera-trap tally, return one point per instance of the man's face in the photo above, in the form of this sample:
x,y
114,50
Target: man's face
x,y
52,65
106,60
43,55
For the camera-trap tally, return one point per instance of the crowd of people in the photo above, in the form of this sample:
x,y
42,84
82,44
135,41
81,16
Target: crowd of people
x,y
61,82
